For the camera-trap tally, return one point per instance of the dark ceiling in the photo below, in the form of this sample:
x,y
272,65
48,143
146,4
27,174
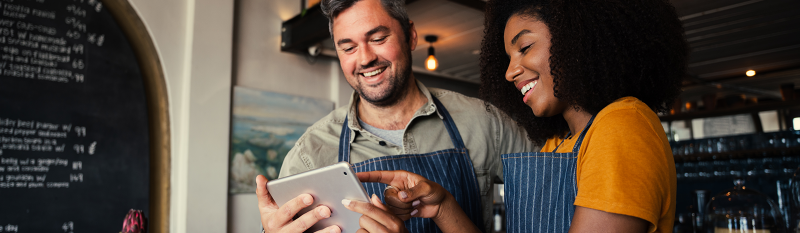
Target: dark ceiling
x,y
727,38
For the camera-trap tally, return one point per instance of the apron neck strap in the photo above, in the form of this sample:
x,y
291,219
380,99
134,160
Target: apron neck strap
x,y
452,129
449,124
583,133
344,142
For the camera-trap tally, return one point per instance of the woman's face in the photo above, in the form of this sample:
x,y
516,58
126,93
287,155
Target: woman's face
x,y
527,44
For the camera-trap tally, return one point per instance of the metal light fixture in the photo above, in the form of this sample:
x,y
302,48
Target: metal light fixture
x,y
431,63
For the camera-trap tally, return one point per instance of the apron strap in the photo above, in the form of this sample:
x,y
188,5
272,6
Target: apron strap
x,y
344,142
580,138
449,124
452,129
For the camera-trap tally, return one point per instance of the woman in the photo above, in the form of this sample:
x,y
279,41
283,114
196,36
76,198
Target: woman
x,y
584,77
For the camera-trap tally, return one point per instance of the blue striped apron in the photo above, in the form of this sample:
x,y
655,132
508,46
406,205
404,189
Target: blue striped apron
x,y
540,189
451,168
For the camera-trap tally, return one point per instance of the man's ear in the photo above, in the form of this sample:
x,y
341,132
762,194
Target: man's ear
x,y
412,36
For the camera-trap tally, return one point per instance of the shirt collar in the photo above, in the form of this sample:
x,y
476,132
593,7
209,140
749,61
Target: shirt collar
x,y
426,109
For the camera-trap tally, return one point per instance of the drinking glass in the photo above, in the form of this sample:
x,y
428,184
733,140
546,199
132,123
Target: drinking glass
x,y
744,142
704,169
679,171
721,168
788,165
689,170
752,167
769,166
736,167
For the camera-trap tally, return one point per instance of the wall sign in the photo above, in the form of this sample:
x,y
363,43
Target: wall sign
x,y
83,130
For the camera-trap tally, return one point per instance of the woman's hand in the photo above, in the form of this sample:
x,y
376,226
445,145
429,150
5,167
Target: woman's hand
x,y
409,195
375,216
413,195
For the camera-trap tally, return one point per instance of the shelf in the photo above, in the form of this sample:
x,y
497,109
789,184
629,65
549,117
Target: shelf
x,y
743,154
734,110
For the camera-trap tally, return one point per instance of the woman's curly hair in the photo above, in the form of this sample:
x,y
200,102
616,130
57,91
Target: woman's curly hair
x,y
601,50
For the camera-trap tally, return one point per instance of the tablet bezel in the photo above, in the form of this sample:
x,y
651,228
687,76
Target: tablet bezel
x,y
328,185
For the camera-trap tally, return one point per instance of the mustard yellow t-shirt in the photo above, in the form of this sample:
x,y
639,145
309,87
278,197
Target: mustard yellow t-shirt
x,y
625,164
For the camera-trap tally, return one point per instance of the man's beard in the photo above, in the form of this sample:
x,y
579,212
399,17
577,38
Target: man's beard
x,y
395,90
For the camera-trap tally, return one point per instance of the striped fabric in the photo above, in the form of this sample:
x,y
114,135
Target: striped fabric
x,y
451,168
540,189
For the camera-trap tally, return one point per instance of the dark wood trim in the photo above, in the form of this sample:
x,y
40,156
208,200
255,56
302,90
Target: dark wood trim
x,y
757,122
157,108
474,4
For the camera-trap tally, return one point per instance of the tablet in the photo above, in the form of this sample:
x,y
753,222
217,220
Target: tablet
x,y
328,185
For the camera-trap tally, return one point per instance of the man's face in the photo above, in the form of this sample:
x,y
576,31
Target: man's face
x,y
373,51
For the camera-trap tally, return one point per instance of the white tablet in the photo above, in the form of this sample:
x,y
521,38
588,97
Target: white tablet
x,y
328,185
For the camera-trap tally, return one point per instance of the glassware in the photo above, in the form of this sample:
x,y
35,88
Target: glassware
x,y
745,142
769,166
689,170
736,167
721,145
700,197
702,146
787,138
794,139
705,169
784,202
679,171
753,167
788,165
733,144
794,184
683,224
676,150
722,168
688,149
742,209
772,141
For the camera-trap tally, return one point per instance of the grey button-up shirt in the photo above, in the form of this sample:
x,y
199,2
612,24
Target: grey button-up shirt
x,y
486,131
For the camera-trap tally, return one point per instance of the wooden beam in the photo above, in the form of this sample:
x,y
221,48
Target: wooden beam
x,y
474,4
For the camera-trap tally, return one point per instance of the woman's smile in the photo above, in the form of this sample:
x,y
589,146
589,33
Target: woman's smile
x,y
526,87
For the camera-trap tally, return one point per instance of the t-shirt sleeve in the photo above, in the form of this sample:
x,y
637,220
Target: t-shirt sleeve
x,y
624,168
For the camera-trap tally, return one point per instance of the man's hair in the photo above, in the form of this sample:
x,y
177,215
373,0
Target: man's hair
x,y
601,50
395,8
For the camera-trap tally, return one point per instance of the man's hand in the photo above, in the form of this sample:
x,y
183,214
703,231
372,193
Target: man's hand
x,y
279,219
375,217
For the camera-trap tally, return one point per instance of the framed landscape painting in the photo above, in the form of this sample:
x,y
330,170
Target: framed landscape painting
x,y
264,127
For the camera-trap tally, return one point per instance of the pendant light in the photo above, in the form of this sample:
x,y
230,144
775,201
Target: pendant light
x,y
431,63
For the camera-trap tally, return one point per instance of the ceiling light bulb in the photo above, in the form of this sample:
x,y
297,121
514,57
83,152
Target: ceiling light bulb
x,y
750,73
431,63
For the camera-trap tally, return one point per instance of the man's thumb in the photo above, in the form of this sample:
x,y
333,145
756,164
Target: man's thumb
x,y
377,202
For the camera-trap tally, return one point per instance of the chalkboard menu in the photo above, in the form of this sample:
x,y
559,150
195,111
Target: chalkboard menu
x,y
75,151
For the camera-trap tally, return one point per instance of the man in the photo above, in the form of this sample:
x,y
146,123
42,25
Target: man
x,y
394,122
